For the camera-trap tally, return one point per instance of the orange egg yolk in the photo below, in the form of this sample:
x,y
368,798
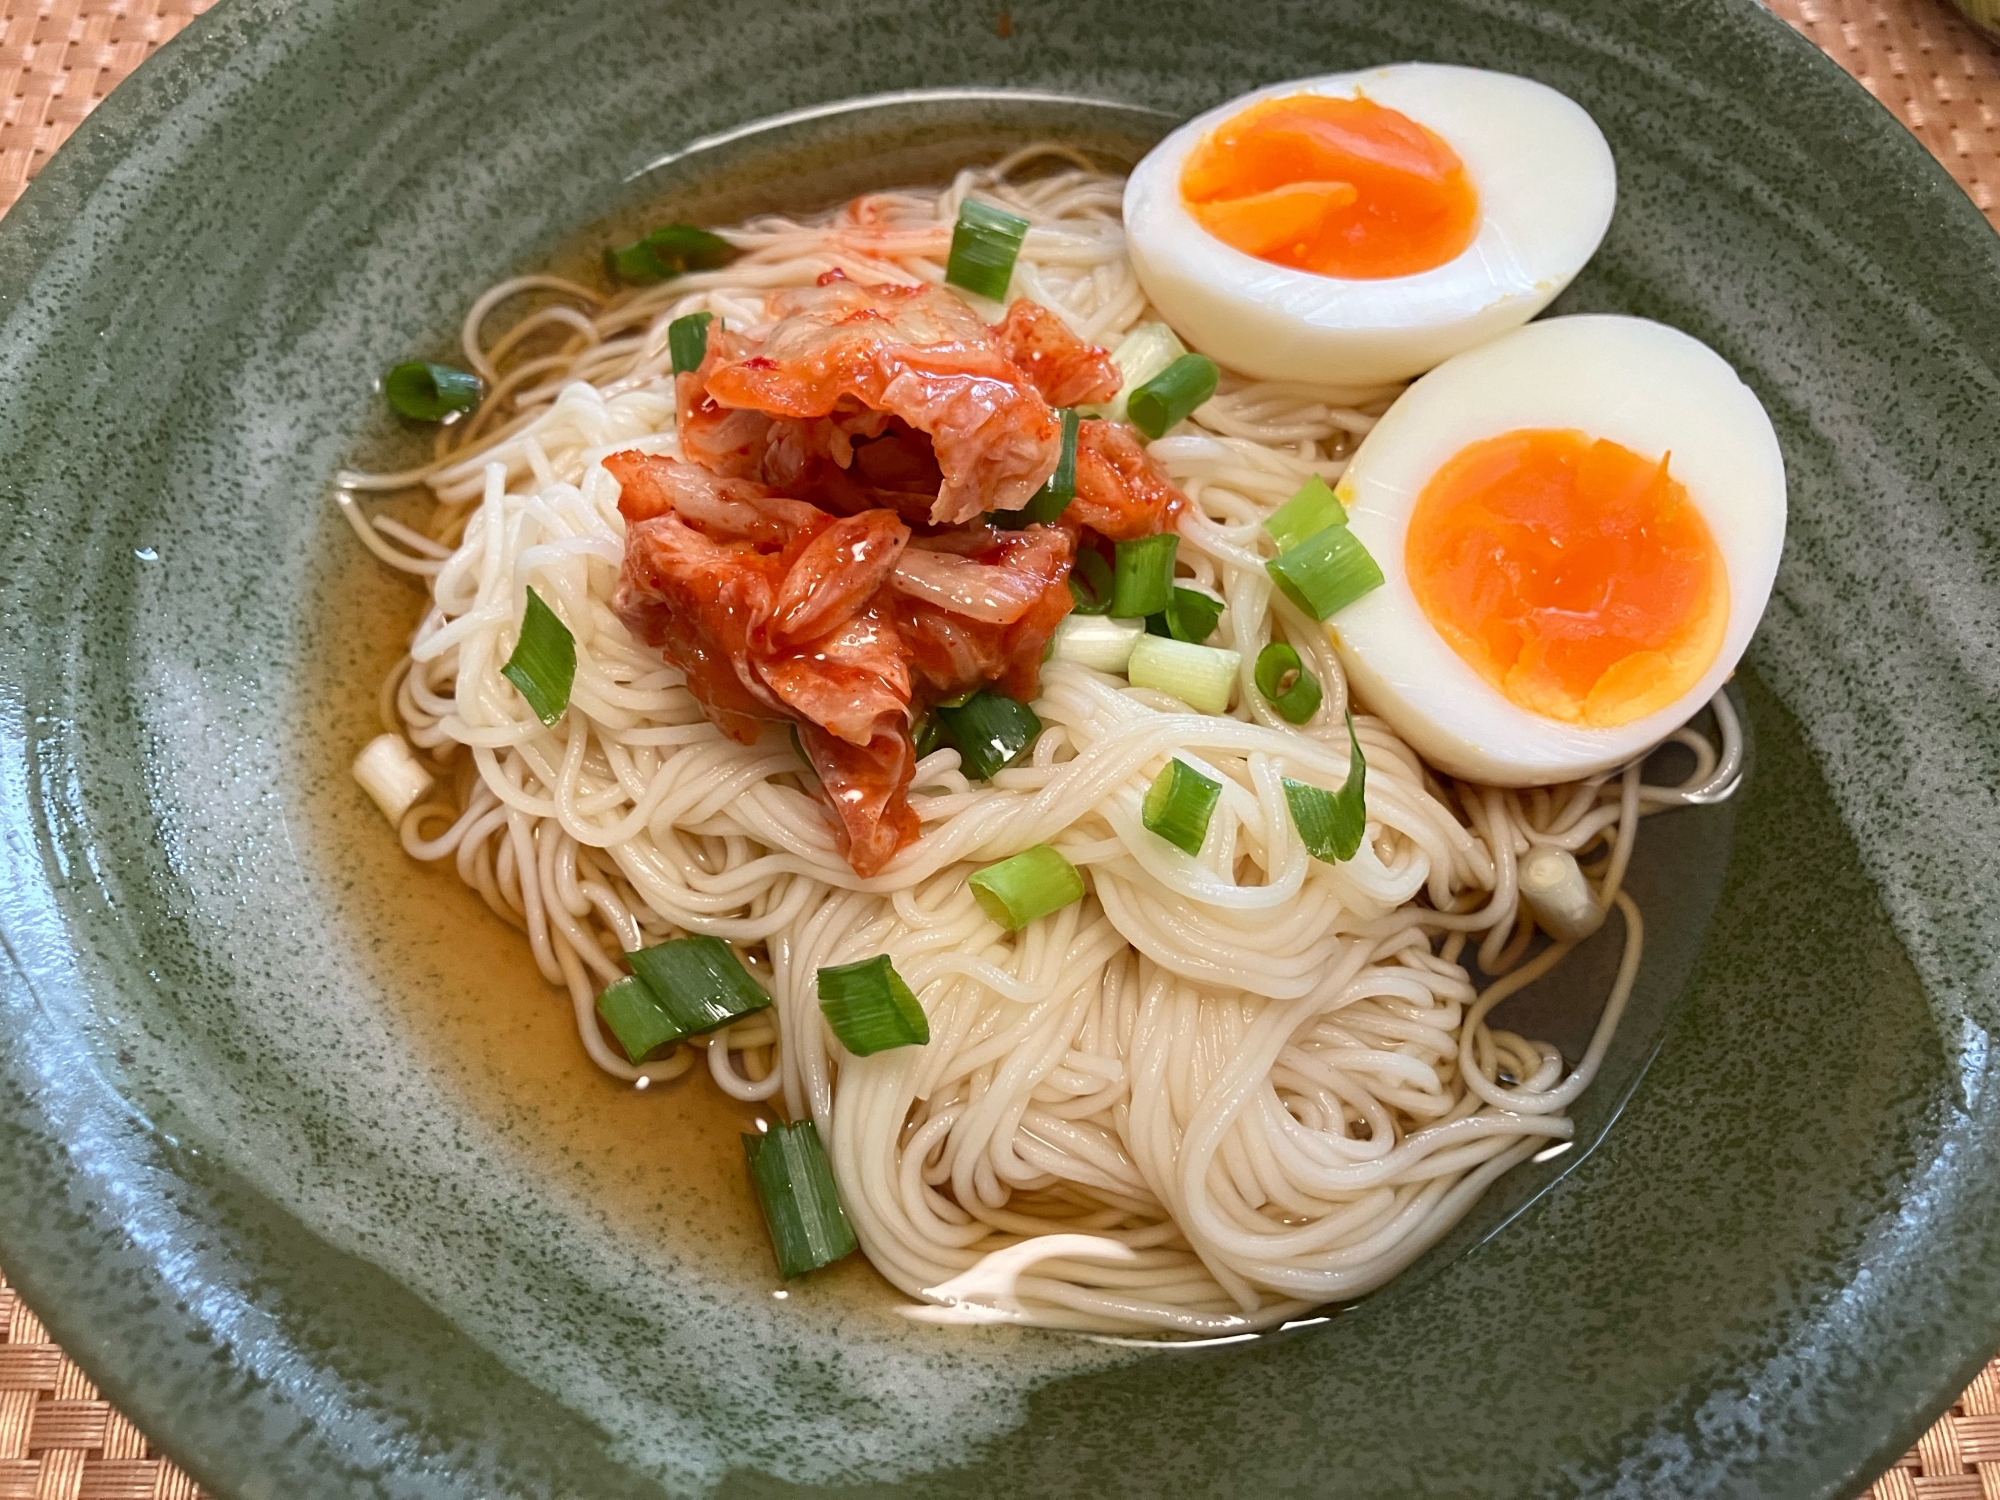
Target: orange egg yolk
x,y
1343,187
1569,572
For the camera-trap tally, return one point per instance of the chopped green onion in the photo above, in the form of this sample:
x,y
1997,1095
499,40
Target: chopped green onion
x,y
1200,676
1166,399
669,251
1330,824
543,665
425,392
1179,804
1143,580
1190,615
687,340
1326,572
795,1188
1309,512
1053,498
1145,351
928,736
1046,505
870,1008
638,1020
1098,643
984,243
799,749
1090,582
1297,700
990,730
1032,884
699,981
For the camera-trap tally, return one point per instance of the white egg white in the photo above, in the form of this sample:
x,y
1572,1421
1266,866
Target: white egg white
x,y
1647,386
1546,186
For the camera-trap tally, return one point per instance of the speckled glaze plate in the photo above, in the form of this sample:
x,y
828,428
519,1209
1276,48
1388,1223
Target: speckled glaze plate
x,y
299,1159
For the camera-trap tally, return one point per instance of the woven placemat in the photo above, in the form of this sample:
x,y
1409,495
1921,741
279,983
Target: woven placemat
x,y
60,1441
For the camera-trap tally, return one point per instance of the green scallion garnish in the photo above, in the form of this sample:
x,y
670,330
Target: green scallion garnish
x,y
794,1183
928,736
1330,824
687,341
1309,512
1202,677
699,981
1103,645
672,250
1146,349
1165,401
1090,582
1326,572
990,729
1032,884
984,244
1286,684
636,1018
1190,615
1046,505
425,392
543,665
1142,581
1179,804
870,1008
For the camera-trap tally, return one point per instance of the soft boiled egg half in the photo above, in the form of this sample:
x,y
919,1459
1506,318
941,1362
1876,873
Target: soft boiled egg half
x,y
1359,228
1578,525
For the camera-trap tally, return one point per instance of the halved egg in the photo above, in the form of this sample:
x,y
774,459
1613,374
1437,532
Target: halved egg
x,y
1578,525
1359,228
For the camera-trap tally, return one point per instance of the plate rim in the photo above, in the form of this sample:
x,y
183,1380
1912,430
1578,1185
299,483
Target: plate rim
x,y
223,40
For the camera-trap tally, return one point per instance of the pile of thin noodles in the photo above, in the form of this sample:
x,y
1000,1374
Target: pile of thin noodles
x,y
1215,1094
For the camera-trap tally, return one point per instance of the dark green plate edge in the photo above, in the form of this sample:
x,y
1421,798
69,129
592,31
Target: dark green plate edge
x,y
248,1436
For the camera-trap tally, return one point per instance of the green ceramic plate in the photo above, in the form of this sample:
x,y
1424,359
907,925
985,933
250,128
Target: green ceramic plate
x,y
298,1158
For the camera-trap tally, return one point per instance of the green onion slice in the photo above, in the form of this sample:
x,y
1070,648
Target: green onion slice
x,y
687,341
1093,641
1090,582
425,392
636,1018
1179,804
1032,884
870,1008
1142,582
699,981
1202,677
1326,572
794,1183
1298,699
1165,400
672,250
1046,505
984,244
1190,615
929,736
1309,512
1330,824
991,730
543,665
1146,349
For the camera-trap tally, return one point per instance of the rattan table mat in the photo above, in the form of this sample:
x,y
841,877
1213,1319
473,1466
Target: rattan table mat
x,y
60,1441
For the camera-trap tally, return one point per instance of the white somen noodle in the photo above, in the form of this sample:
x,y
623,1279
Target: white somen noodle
x,y
1214,1094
